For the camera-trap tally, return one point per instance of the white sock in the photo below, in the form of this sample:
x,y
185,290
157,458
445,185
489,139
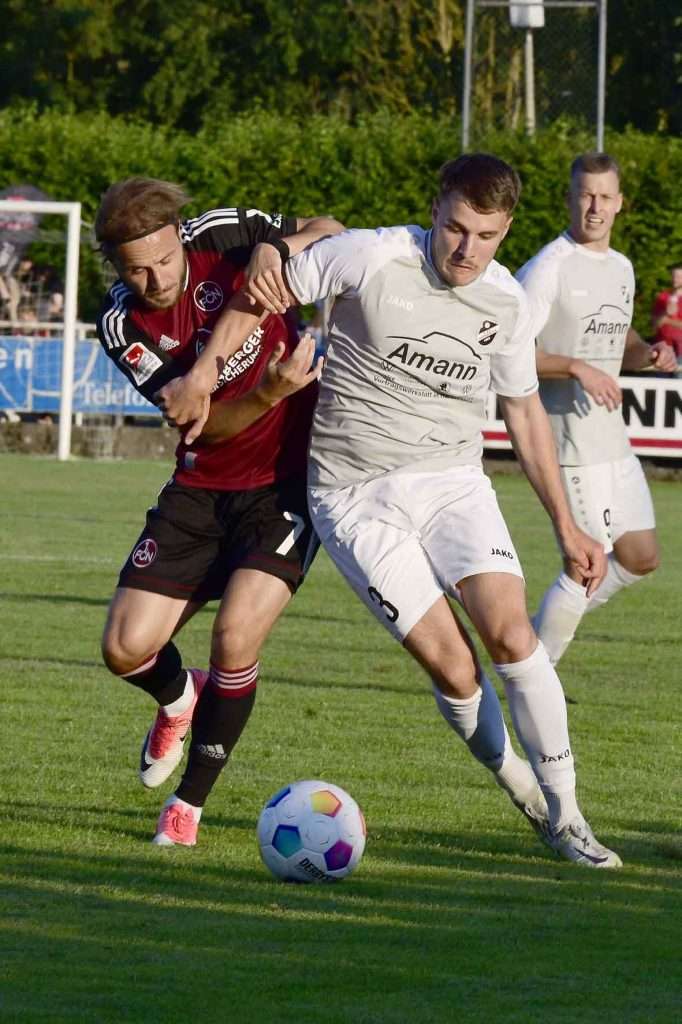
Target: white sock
x,y
617,577
181,703
538,710
559,615
478,721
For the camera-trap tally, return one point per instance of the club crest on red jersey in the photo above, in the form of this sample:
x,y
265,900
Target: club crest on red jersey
x,y
208,296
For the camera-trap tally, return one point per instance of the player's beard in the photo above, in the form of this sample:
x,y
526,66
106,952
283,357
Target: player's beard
x,y
163,300
167,298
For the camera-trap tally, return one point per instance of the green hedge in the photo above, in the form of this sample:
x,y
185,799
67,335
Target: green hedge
x,y
379,170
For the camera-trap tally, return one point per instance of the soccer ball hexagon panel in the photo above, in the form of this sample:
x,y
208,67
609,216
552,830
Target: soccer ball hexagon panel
x,y
311,831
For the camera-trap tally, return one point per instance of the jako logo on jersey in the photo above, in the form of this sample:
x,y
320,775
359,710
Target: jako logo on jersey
x,y
167,344
145,553
395,300
423,361
502,552
487,332
208,296
140,362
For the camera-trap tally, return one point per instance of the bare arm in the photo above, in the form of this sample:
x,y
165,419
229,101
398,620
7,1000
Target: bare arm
x,y
265,285
639,355
601,386
279,380
187,399
532,439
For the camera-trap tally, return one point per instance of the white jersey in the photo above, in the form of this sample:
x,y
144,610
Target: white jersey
x,y
410,359
581,305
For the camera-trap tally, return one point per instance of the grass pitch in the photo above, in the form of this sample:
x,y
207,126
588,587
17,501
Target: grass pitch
x,y
456,912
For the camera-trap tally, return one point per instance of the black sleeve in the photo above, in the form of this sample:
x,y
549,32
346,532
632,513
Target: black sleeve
x,y
235,231
146,366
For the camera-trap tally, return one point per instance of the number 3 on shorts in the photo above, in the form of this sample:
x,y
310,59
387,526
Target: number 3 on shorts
x,y
291,538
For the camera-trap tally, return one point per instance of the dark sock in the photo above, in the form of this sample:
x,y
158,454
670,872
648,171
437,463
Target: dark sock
x,y
165,679
218,723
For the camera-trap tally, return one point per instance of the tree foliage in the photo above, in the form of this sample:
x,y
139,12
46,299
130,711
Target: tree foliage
x,y
196,63
381,169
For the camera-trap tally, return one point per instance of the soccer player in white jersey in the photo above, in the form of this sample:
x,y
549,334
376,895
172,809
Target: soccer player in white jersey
x,y
581,294
422,324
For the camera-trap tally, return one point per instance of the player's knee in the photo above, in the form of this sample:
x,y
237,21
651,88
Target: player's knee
x,y
512,641
234,645
458,682
642,563
120,653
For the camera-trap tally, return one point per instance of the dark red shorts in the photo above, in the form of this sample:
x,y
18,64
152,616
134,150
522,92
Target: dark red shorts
x,y
195,539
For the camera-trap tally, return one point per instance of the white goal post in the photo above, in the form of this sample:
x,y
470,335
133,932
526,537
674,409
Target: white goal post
x,y
73,213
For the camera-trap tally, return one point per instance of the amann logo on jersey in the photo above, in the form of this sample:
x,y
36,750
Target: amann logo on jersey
x,y
412,358
606,322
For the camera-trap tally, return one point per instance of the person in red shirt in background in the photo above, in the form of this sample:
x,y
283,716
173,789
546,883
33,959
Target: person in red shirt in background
x,y
666,315
232,524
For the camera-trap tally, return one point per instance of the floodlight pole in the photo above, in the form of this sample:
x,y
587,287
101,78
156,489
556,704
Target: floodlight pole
x,y
529,61
73,212
601,75
468,58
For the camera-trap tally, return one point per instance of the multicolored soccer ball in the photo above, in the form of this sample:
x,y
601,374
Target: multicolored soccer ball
x,y
311,831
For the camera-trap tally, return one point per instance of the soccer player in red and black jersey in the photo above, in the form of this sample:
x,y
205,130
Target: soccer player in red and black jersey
x,y
232,524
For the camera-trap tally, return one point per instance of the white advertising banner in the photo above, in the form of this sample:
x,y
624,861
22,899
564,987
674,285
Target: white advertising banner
x,y
652,410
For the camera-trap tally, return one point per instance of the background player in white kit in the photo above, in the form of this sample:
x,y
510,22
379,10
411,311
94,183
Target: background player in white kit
x,y
581,295
423,322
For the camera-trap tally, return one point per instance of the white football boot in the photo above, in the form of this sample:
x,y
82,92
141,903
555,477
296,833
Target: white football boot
x,y
576,842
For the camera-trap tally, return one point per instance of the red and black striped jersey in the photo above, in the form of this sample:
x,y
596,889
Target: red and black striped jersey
x,y
152,346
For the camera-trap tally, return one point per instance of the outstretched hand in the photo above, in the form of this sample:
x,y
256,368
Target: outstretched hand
x,y
283,378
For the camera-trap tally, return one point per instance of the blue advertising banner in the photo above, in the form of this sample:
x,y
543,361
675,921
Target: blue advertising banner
x,y
30,379
30,382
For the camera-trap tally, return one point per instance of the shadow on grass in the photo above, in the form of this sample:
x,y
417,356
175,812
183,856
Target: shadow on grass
x,y
430,917
500,850
53,599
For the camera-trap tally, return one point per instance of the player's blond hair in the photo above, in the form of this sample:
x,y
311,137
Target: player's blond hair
x,y
136,207
484,181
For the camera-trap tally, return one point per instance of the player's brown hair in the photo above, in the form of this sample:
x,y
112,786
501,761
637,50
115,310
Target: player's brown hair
x,y
485,182
134,208
594,163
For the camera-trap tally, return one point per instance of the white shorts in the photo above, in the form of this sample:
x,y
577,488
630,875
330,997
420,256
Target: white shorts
x,y
610,499
402,540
